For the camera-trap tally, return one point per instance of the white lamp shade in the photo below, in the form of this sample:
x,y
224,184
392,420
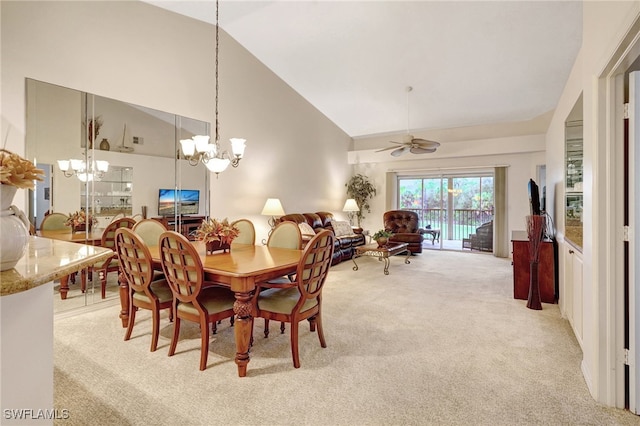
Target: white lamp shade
x,y
202,143
85,177
77,164
350,206
102,165
63,165
188,147
217,165
272,207
237,146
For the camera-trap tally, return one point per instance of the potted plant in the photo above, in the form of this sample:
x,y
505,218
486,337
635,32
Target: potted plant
x,y
79,222
217,234
382,237
360,188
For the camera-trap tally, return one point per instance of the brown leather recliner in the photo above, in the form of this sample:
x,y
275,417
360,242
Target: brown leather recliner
x,y
404,224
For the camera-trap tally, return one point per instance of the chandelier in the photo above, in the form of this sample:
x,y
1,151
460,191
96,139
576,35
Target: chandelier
x,y
199,149
79,169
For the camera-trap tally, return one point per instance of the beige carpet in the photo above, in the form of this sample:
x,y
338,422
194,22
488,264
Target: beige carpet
x,y
439,341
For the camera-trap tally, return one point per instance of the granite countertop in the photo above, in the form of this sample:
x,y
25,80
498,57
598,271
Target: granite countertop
x,y
47,260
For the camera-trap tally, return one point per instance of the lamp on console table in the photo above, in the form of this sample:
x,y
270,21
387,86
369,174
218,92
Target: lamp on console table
x,y
272,208
350,206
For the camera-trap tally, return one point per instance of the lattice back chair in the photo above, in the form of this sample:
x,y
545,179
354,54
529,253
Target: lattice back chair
x,y
144,291
192,299
149,230
110,265
247,234
295,302
54,221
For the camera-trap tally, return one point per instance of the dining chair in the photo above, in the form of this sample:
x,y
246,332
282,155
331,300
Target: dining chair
x,y
302,299
193,299
54,221
247,234
149,230
145,292
111,265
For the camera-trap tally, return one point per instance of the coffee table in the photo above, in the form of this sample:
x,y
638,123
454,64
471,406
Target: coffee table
x,y
382,253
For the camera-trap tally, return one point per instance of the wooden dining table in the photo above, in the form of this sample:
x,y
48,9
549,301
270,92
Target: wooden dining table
x,y
92,238
240,269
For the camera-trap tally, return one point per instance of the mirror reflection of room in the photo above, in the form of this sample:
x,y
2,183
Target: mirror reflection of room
x,y
139,147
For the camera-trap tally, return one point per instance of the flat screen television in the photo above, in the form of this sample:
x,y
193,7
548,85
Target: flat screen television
x,y
534,197
188,201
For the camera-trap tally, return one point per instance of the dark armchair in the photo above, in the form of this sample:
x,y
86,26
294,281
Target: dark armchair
x,y
404,224
483,238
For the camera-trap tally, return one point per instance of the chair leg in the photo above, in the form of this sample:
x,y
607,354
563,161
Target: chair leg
x,y
132,319
176,334
156,328
204,347
282,328
83,280
294,344
214,327
266,328
317,320
103,284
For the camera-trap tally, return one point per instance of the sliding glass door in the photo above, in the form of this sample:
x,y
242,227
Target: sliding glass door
x,y
450,207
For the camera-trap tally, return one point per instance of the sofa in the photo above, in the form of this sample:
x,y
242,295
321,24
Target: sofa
x,y
345,242
405,227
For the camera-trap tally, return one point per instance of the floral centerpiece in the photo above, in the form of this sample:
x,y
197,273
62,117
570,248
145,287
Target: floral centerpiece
x,y
382,237
15,173
217,234
79,221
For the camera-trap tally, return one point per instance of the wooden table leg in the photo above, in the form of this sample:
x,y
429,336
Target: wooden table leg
x,y
64,287
242,326
124,299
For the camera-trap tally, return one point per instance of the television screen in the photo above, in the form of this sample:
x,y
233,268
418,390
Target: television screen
x,y
534,197
188,202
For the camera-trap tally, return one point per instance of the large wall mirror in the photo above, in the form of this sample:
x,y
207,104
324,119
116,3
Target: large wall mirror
x,y
140,146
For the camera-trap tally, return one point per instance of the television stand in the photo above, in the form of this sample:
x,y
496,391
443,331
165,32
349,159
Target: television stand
x,y
188,224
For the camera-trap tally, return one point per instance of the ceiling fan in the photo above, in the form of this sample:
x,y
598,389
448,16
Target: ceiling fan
x,y
409,143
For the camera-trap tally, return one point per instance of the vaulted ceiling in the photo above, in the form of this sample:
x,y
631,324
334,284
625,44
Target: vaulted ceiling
x,y
469,62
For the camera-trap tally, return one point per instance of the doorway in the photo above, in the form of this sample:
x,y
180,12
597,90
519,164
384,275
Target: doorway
x,y
451,208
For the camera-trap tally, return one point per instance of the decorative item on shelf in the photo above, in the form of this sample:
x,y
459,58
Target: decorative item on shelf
x,y
382,237
15,173
199,149
362,190
350,206
217,234
93,129
79,222
536,228
104,145
78,168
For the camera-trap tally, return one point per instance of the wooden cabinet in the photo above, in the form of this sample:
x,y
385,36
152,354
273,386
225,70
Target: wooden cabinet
x,y
188,224
547,268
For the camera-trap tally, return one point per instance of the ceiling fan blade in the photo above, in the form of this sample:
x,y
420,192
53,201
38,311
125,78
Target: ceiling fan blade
x,y
387,148
420,150
426,143
398,152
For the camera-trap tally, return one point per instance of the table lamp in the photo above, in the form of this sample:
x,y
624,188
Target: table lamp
x,y
272,208
350,206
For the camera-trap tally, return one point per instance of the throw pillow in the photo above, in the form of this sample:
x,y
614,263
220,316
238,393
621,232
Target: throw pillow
x,y
306,229
341,228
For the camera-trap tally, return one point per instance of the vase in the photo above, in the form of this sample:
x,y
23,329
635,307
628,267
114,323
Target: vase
x,y
533,301
80,228
382,241
15,235
217,246
104,145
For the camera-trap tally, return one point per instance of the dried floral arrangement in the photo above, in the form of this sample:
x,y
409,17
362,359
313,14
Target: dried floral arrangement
x,y
79,218
94,125
18,172
214,230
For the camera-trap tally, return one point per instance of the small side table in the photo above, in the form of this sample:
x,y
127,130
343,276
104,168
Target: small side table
x,y
382,253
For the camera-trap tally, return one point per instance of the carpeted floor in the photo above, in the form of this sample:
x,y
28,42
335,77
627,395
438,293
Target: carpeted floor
x,y
440,341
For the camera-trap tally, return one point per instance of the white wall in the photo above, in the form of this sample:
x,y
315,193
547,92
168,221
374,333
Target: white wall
x,y
144,55
604,27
